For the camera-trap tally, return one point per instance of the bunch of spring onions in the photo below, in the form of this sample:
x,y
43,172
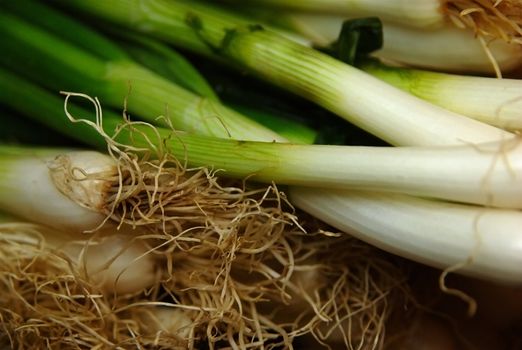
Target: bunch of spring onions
x,y
80,181
276,162
323,166
87,188
450,198
384,111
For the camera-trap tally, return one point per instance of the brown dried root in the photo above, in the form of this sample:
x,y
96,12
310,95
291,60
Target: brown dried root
x,y
343,296
225,268
346,292
490,19
233,261
46,301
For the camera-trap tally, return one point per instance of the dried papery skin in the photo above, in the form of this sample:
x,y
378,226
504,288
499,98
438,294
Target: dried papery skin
x,y
84,177
490,19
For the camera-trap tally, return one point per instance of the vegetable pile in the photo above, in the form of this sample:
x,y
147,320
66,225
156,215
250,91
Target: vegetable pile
x,y
192,175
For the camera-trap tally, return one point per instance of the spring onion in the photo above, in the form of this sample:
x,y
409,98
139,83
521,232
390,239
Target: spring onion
x,y
110,75
435,136
479,241
441,261
376,107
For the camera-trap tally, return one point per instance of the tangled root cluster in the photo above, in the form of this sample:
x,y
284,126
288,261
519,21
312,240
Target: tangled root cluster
x,y
235,268
336,289
46,303
488,18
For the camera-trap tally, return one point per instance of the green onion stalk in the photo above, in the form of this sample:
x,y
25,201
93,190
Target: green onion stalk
x,y
104,70
457,173
371,104
168,63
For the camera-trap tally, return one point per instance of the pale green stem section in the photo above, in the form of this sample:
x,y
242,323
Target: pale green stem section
x,y
493,101
418,13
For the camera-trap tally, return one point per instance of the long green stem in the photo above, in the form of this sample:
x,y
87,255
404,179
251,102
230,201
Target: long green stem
x,y
63,66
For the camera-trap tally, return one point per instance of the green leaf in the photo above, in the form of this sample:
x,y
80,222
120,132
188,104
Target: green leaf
x,y
358,39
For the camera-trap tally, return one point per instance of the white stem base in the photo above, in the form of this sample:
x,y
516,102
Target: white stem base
x,y
487,243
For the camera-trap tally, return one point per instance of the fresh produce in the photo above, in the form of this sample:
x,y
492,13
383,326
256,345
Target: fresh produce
x,y
165,218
